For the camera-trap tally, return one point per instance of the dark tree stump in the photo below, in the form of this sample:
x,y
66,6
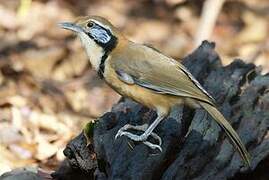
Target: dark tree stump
x,y
242,95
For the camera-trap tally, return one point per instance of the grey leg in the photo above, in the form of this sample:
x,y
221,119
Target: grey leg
x,y
143,127
145,135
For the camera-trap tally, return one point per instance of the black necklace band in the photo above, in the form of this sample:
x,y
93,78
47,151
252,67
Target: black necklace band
x,y
108,47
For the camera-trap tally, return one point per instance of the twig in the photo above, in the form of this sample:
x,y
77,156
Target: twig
x,y
210,11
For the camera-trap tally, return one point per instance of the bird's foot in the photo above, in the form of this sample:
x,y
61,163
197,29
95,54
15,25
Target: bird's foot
x,y
122,132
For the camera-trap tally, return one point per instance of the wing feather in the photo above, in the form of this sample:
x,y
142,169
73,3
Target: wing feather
x,y
151,69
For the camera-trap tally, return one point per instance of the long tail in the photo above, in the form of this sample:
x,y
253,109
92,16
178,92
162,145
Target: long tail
x,y
225,125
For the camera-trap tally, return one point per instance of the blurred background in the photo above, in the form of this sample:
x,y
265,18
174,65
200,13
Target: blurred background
x,y
47,88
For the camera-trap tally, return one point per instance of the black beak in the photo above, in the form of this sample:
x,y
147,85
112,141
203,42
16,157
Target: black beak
x,y
70,26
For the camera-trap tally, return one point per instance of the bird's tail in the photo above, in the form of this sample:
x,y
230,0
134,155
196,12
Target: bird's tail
x,y
225,125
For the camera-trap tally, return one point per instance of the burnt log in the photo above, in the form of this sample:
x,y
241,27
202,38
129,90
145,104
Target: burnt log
x,y
194,146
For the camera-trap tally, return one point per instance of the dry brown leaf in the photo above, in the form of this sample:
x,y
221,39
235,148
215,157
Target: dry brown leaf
x,y
256,29
40,62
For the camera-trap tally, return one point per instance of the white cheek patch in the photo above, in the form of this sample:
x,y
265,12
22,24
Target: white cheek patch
x,y
100,35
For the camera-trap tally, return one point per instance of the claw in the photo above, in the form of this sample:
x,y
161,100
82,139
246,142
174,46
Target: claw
x,y
119,133
116,135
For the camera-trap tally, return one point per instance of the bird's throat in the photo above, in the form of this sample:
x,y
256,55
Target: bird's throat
x,y
93,50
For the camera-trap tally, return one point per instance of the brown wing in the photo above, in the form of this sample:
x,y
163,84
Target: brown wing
x,y
150,69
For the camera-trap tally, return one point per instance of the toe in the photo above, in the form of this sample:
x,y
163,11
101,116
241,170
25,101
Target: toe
x,y
153,146
119,133
158,138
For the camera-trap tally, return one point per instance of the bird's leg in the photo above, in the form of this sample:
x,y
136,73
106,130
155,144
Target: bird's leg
x,y
145,135
139,128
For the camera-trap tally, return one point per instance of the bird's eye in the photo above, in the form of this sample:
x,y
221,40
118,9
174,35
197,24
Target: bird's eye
x,y
90,24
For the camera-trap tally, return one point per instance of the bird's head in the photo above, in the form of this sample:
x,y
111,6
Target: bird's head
x,y
98,36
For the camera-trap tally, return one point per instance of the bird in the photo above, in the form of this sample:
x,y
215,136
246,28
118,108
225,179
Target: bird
x,y
147,76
